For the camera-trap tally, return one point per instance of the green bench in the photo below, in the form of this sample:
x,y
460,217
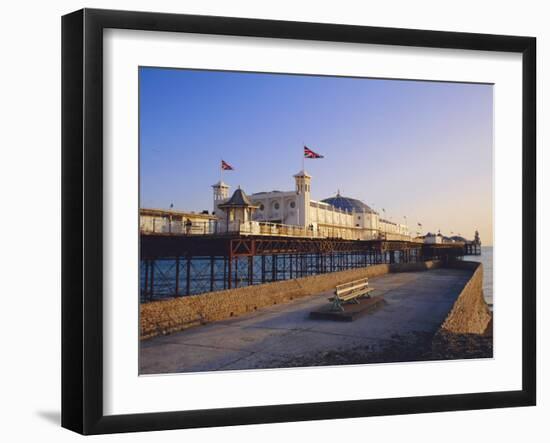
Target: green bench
x,y
350,293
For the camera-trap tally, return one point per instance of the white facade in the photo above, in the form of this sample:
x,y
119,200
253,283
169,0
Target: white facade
x,y
390,230
297,209
278,207
433,238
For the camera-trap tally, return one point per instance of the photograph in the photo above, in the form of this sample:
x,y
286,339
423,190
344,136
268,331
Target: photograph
x,y
290,220
266,222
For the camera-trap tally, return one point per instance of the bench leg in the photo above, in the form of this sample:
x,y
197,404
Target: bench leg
x,y
337,305
367,295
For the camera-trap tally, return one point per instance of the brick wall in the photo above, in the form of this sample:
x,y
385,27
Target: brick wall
x,y
167,316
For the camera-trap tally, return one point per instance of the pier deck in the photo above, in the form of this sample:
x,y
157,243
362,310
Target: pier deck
x,y
416,303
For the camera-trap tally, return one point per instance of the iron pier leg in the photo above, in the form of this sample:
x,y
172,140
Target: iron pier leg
x,y
211,273
236,272
146,282
188,282
229,271
152,287
250,270
177,275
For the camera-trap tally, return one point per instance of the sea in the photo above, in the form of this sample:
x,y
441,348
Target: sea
x,y
486,258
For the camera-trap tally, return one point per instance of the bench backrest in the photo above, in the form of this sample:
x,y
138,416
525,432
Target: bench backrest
x,y
352,286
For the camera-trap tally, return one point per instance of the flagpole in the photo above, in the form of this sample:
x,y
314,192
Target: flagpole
x,y
303,157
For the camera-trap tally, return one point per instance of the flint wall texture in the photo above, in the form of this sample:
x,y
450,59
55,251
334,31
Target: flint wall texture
x,y
168,316
470,313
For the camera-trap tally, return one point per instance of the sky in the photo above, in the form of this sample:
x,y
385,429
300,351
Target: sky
x,y
420,150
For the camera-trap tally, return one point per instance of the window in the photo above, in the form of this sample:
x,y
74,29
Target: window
x,y
276,206
261,207
292,205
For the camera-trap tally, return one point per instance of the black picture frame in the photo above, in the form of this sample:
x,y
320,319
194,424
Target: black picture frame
x,y
82,218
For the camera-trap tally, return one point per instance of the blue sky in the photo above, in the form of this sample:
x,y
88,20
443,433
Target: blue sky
x,y
418,149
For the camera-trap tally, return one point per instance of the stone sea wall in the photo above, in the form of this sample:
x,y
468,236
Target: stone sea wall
x,y
467,332
470,313
172,315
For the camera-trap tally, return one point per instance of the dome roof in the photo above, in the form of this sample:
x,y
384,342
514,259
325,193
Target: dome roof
x,y
458,238
348,204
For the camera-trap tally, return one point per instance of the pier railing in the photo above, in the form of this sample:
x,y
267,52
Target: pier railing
x,y
213,227
253,227
178,227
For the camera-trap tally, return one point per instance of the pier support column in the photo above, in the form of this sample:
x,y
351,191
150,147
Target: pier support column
x,y
188,276
236,272
177,285
211,273
229,272
250,270
146,282
152,279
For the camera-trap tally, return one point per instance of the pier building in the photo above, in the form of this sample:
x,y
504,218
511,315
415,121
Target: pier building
x,y
294,212
272,236
173,222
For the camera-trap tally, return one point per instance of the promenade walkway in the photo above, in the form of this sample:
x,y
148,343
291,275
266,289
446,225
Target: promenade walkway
x,y
416,303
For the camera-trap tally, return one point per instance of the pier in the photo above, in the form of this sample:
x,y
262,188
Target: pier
x,y
275,236
182,265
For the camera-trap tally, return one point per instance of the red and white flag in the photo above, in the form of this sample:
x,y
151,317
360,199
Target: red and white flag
x,y
308,153
226,166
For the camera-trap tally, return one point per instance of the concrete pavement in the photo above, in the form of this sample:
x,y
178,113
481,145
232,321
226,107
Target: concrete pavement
x,y
415,302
